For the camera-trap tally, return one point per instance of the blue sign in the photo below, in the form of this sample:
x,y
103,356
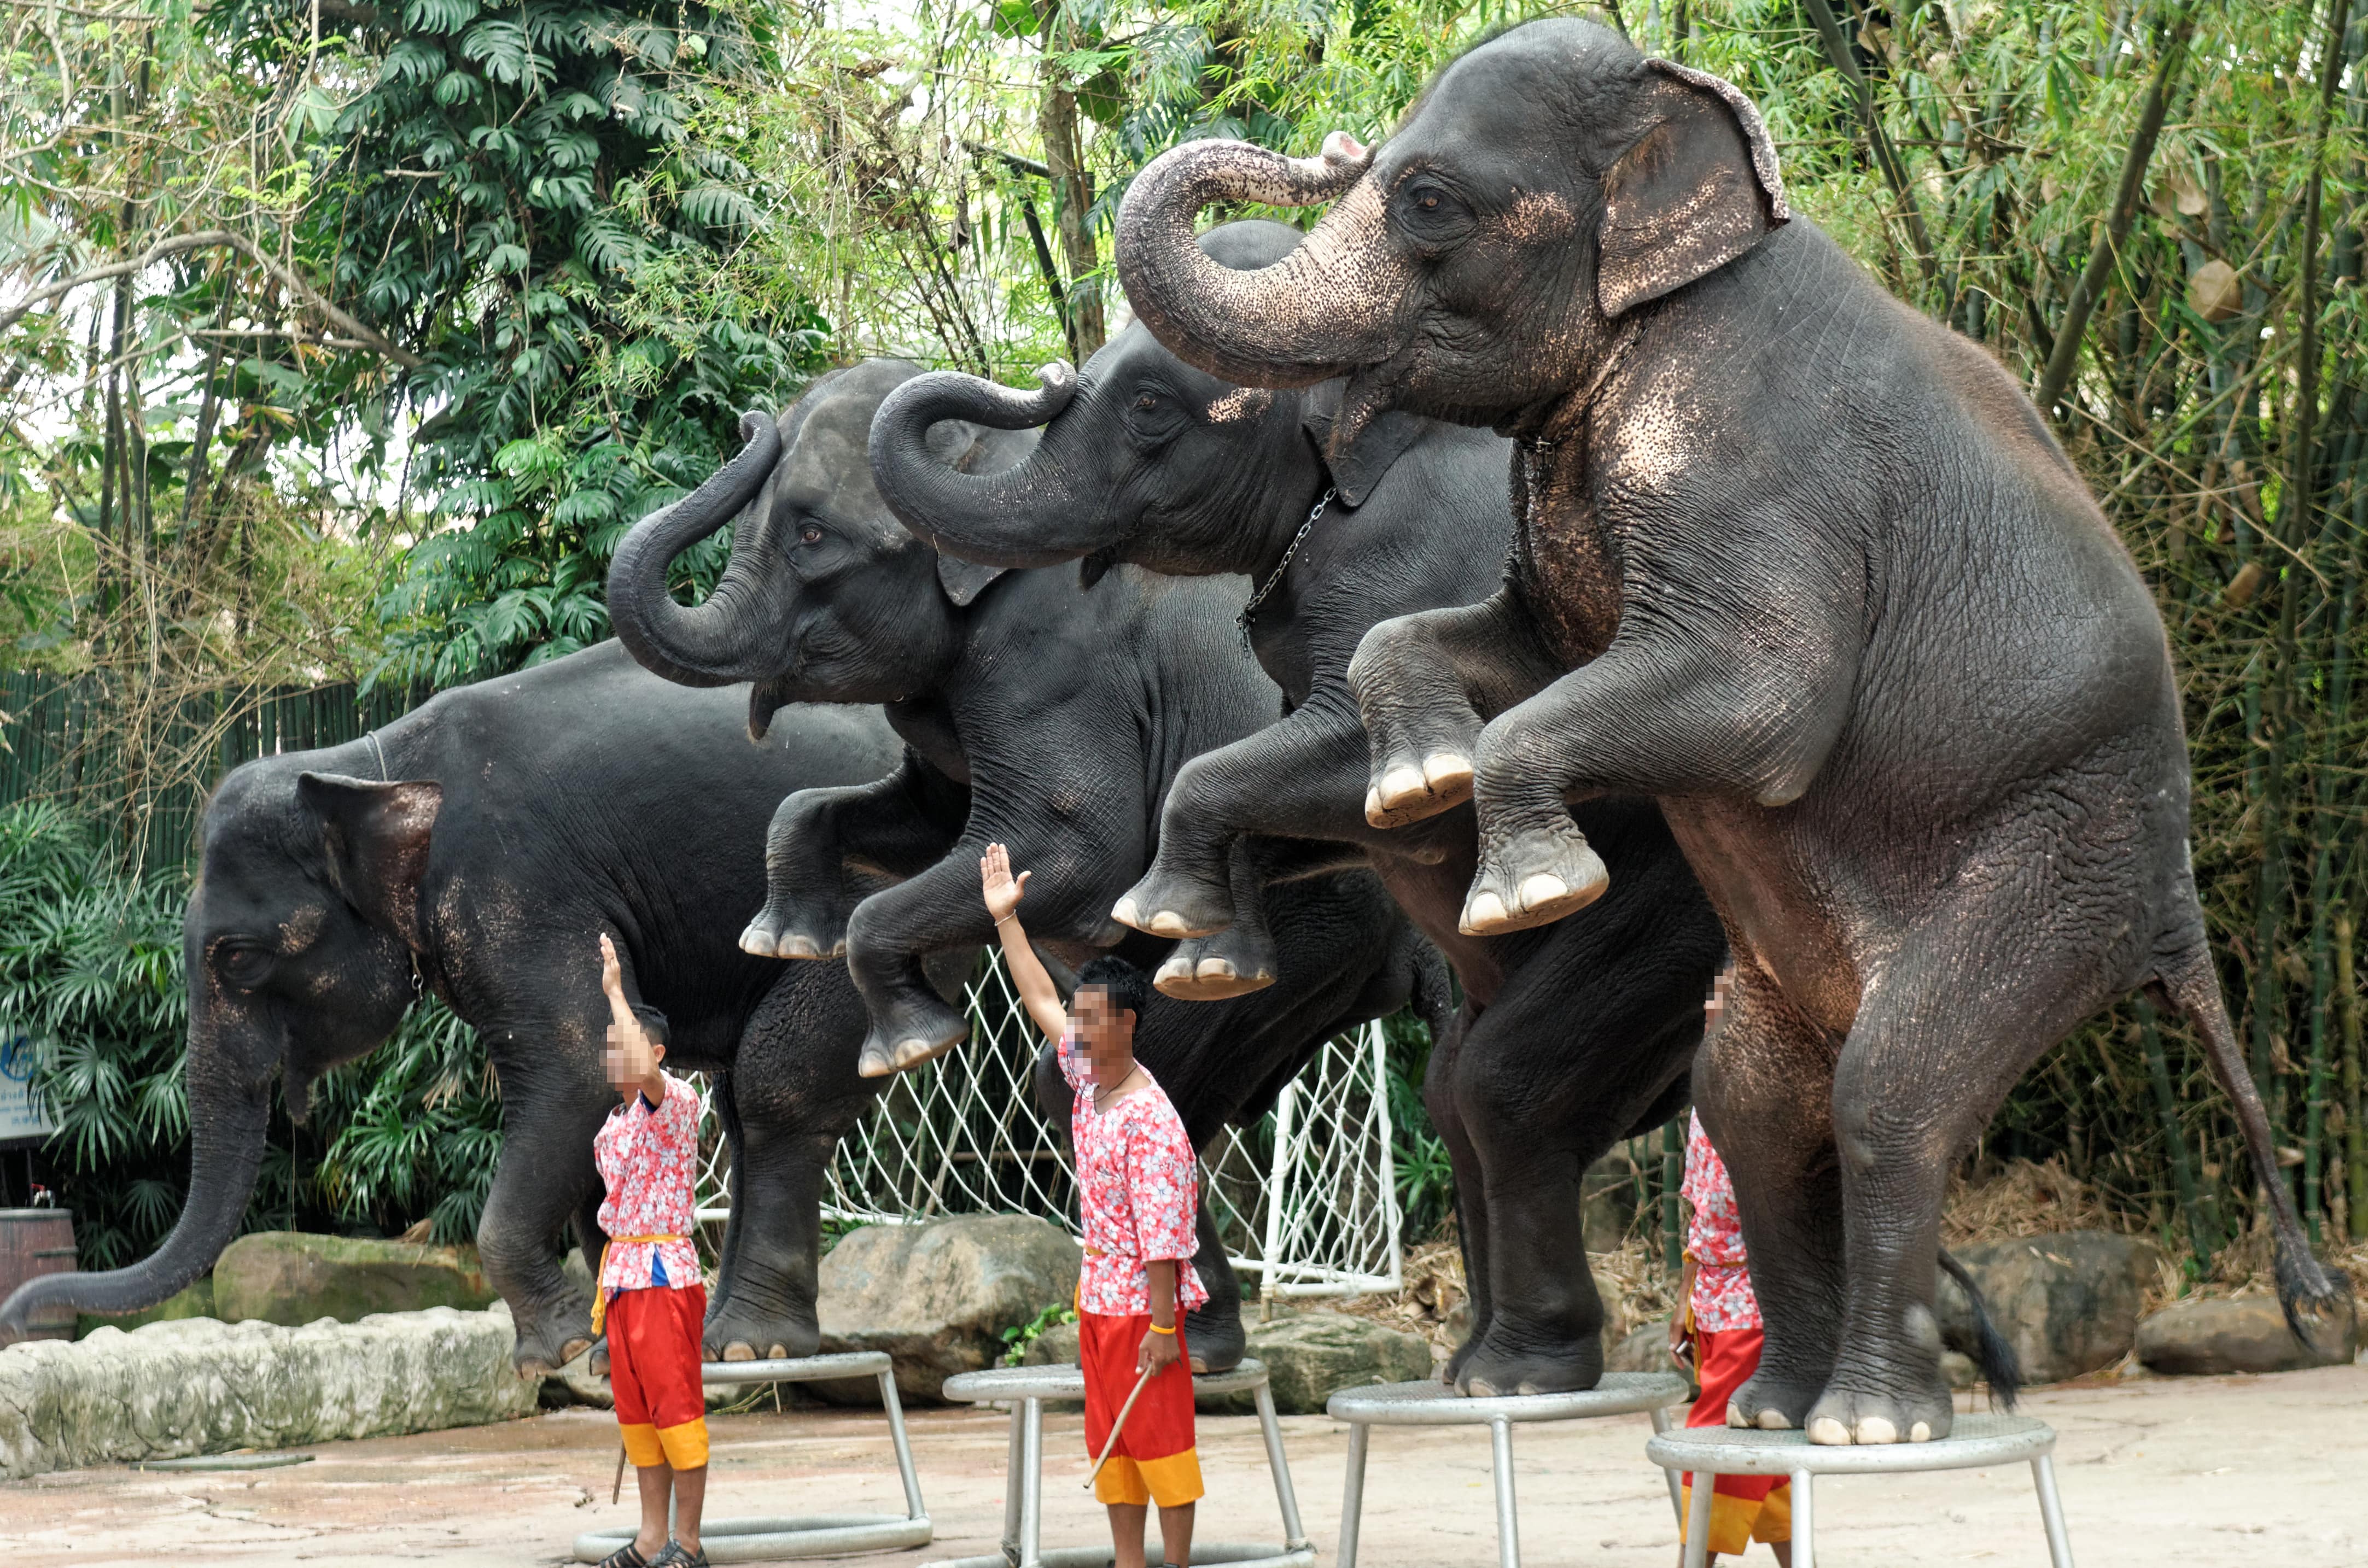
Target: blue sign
x,y
21,1115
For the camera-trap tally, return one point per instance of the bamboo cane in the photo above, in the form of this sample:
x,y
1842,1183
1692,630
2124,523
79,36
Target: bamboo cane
x,y
1118,1426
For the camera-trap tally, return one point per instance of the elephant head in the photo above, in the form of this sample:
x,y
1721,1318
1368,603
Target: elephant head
x,y
1144,459
298,944
1477,265
828,597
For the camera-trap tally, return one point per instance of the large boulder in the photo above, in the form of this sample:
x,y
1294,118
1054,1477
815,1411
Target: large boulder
x,y
1645,1348
1311,1356
198,1386
2068,1301
291,1277
939,1297
2249,1334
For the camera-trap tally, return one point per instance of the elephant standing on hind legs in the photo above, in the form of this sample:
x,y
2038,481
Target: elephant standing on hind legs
x,y
1796,561
1570,1036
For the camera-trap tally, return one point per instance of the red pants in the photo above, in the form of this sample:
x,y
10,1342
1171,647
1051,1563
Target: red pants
x,y
654,1359
1155,1460
1743,1508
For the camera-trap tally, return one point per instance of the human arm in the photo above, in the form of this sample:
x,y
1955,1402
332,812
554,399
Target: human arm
x,y
1158,1349
1003,891
632,1063
1164,1195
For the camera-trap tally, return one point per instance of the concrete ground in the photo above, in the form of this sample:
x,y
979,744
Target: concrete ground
x,y
2228,1473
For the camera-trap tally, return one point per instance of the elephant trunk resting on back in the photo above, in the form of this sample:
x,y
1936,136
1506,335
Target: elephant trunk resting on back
x,y
1796,561
1039,711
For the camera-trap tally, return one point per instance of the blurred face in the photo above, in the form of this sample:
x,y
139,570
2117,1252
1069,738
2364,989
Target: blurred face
x,y
620,1069
1108,1033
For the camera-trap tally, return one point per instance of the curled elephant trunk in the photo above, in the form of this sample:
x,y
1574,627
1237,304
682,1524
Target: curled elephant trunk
x,y
1045,510
226,1135
707,645
1308,317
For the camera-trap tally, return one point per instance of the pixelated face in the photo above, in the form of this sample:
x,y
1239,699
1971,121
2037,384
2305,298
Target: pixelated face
x,y
613,1057
1107,1033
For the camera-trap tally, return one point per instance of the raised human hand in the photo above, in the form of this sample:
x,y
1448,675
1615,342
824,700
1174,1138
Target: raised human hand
x,y
612,973
1001,890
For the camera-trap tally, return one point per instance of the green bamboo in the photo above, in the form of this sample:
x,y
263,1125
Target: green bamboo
x,y
2203,1231
2355,1128
1673,1176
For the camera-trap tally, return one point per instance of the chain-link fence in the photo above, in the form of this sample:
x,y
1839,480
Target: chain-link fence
x,y
1306,1199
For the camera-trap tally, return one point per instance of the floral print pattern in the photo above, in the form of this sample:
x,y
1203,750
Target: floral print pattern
x,y
648,1158
1138,1185
1722,1298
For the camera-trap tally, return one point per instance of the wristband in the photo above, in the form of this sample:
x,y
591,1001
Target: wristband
x,y
1156,1329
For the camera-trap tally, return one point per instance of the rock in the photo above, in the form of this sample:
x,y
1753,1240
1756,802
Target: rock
x,y
2067,1302
291,1277
2250,1335
198,1386
197,1301
939,1297
1958,1370
1606,1202
1056,1346
1311,1356
1645,1348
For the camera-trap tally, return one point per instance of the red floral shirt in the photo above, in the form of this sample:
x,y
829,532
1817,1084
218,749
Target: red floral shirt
x,y
1138,1186
1722,1298
649,1158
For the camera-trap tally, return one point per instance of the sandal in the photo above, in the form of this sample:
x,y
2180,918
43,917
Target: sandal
x,y
626,1556
674,1556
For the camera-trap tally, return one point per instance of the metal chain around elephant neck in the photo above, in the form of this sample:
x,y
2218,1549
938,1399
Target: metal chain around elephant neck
x,y
1274,578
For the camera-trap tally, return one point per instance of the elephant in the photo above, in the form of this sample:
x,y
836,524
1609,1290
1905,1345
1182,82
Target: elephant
x,y
1791,558
1570,1036
1048,710
478,846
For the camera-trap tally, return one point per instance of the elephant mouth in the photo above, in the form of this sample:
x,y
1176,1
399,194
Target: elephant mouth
x,y
767,697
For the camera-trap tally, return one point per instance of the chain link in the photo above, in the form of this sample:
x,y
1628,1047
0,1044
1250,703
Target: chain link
x,y
1274,580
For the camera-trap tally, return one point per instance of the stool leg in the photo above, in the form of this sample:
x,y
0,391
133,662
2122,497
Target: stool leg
x,y
2051,1512
1508,1519
1677,1492
1031,1486
895,1408
1352,1492
1294,1536
1805,1520
1013,1461
1698,1523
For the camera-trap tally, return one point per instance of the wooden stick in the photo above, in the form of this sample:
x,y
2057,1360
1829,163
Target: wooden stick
x,y
617,1487
1118,1426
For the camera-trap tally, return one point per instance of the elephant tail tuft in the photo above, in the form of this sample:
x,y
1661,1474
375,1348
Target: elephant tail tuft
x,y
2000,1366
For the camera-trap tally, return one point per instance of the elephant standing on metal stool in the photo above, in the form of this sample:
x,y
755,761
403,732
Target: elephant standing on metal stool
x,y
1793,560
1035,712
1571,1036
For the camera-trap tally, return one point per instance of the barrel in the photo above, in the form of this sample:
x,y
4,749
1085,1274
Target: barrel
x,y
37,1240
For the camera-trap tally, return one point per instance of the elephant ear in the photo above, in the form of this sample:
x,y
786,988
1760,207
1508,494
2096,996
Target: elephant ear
x,y
960,445
1359,463
377,837
1695,191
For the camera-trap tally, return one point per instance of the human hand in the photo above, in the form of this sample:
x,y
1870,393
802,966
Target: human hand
x,y
613,973
997,886
1721,990
1158,1352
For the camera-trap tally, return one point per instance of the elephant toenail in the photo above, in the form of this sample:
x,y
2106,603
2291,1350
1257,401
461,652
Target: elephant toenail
x,y
1485,912
1541,888
1735,1416
756,942
1124,912
1774,1421
1401,784
1826,1432
1214,969
1921,1433
1445,769
1167,922
1875,1432
1374,808
796,948
739,1350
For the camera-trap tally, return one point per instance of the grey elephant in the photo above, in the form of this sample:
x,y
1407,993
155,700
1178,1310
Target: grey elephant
x,y
1037,712
477,847
1794,561
1570,1036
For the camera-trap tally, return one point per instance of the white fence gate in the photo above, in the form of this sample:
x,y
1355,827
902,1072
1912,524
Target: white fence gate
x,y
1307,1200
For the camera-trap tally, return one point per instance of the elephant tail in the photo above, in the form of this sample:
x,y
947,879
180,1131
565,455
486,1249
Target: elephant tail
x,y
2001,1367
1433,999
2186,984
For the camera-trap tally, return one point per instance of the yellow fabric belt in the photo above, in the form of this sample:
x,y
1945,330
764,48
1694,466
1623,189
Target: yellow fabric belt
x,y
600,1291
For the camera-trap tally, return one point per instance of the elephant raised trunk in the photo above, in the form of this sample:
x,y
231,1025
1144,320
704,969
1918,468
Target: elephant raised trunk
x,y
1305,319
226,1136
1046,509
707,645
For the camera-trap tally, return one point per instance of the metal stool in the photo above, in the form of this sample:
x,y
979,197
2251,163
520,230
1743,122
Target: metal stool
x,y
1027,1388
1976,1440
1436,1404
813,1535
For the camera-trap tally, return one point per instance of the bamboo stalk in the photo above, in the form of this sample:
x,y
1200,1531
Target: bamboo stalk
x,y
2203,1232
1673,1176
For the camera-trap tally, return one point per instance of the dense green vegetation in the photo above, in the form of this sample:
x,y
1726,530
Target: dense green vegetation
x,y
425,302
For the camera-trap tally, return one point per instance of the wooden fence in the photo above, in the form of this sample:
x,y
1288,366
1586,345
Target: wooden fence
x,y
147,775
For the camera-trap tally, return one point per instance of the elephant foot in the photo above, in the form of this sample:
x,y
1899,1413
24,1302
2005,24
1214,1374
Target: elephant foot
x,y
1170,903
914,1030
598,1365
1217,968
736,1332
542,1348
1216,1339
1844,1417
1406,790
1490,1370
1533,879
781,931
1770,1402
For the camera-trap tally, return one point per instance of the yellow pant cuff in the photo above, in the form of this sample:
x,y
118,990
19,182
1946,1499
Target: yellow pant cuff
x,y
686,1445
643,1448
1737,1522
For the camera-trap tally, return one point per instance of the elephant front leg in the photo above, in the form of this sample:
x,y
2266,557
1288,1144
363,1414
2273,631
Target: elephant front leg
x,y
823,843
545,1170
779,1178
1426,684
1470,1186
891,934
1235,962
1214,1331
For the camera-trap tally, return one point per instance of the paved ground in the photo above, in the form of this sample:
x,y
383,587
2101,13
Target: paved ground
x,y
2238,1472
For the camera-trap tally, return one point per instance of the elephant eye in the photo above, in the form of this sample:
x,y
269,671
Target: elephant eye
x,y
1144,402
810,535
1433,213
243,964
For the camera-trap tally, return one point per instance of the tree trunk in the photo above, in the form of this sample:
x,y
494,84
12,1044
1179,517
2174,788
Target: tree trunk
x,y
1072,196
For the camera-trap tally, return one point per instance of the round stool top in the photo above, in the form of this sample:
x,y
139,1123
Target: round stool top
x,y
1977,1439
1434,1404
797,1368
1067,1381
